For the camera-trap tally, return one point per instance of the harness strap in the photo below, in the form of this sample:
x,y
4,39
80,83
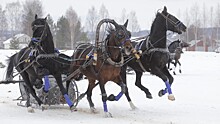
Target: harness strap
x,y
52,55
141,65
163,50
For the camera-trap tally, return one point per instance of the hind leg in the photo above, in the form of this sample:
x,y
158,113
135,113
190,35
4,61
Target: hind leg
x,y
139,85
162,74
63,91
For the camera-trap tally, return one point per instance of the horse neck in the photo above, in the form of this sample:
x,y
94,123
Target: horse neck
x,y
47,43
113,52
158,34
172,47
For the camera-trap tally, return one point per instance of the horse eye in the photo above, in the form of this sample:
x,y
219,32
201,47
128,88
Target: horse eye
x,y
121,35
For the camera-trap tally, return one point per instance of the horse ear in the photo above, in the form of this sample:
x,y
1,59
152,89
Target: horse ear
x,y
165,9
45,18
35,16
126,23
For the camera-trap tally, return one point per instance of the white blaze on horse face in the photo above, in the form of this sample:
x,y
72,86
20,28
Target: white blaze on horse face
x,y
127,51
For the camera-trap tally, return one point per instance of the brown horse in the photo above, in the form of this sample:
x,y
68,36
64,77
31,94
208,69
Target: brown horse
x,y
107,66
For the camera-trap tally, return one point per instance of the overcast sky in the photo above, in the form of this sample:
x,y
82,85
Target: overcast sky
x,y
145,9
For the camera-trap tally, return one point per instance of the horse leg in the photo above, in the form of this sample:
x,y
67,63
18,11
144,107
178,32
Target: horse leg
x,y
31,91
104,99
91,85
158,72
63,91
174,68
123,76
180,71
139,85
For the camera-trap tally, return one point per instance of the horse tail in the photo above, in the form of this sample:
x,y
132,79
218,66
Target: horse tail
x,y
10,61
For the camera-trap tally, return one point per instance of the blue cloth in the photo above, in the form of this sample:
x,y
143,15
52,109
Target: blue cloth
x,y
35,39
118,96
46,83
56,50
105,107
168,87
68,101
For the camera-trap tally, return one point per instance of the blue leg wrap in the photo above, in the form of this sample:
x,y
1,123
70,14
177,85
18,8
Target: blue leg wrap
x,y
118,96
47,83
165,91
68,101
168,87
105,107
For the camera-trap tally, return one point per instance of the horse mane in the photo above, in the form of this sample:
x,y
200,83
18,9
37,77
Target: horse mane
x,y
110,29
153,23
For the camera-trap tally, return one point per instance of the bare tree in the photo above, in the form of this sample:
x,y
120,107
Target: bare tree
x,y
133,22
195,19
72,17
103,12
3,24
30,8
211,24
204,18
91,21
217,21
187,22
124,16
13,14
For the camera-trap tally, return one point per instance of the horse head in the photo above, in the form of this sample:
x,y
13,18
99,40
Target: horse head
x,y
184,44
172,23
121,37
118,37
163,22
42,35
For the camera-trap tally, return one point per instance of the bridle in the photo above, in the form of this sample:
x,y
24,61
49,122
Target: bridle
x,y
119,37
175,24
37,40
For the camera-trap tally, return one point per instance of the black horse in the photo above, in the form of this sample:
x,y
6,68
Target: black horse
x,y
155,54
175,49
38,60
108,63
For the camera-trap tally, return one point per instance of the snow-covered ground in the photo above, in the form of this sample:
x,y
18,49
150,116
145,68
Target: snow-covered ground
x,y
196,91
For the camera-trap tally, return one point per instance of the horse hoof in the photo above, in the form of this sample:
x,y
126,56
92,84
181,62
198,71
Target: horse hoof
x,y
111,97
73,109
30,109
160,94
133,107
171,97
108,115
44,107
180,71
174,73
93,110
149,96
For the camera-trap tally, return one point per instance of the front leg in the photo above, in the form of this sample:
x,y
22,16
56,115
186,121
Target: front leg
x,y
104,99
180,71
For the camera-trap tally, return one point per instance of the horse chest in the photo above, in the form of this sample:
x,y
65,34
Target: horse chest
x,y
109,72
